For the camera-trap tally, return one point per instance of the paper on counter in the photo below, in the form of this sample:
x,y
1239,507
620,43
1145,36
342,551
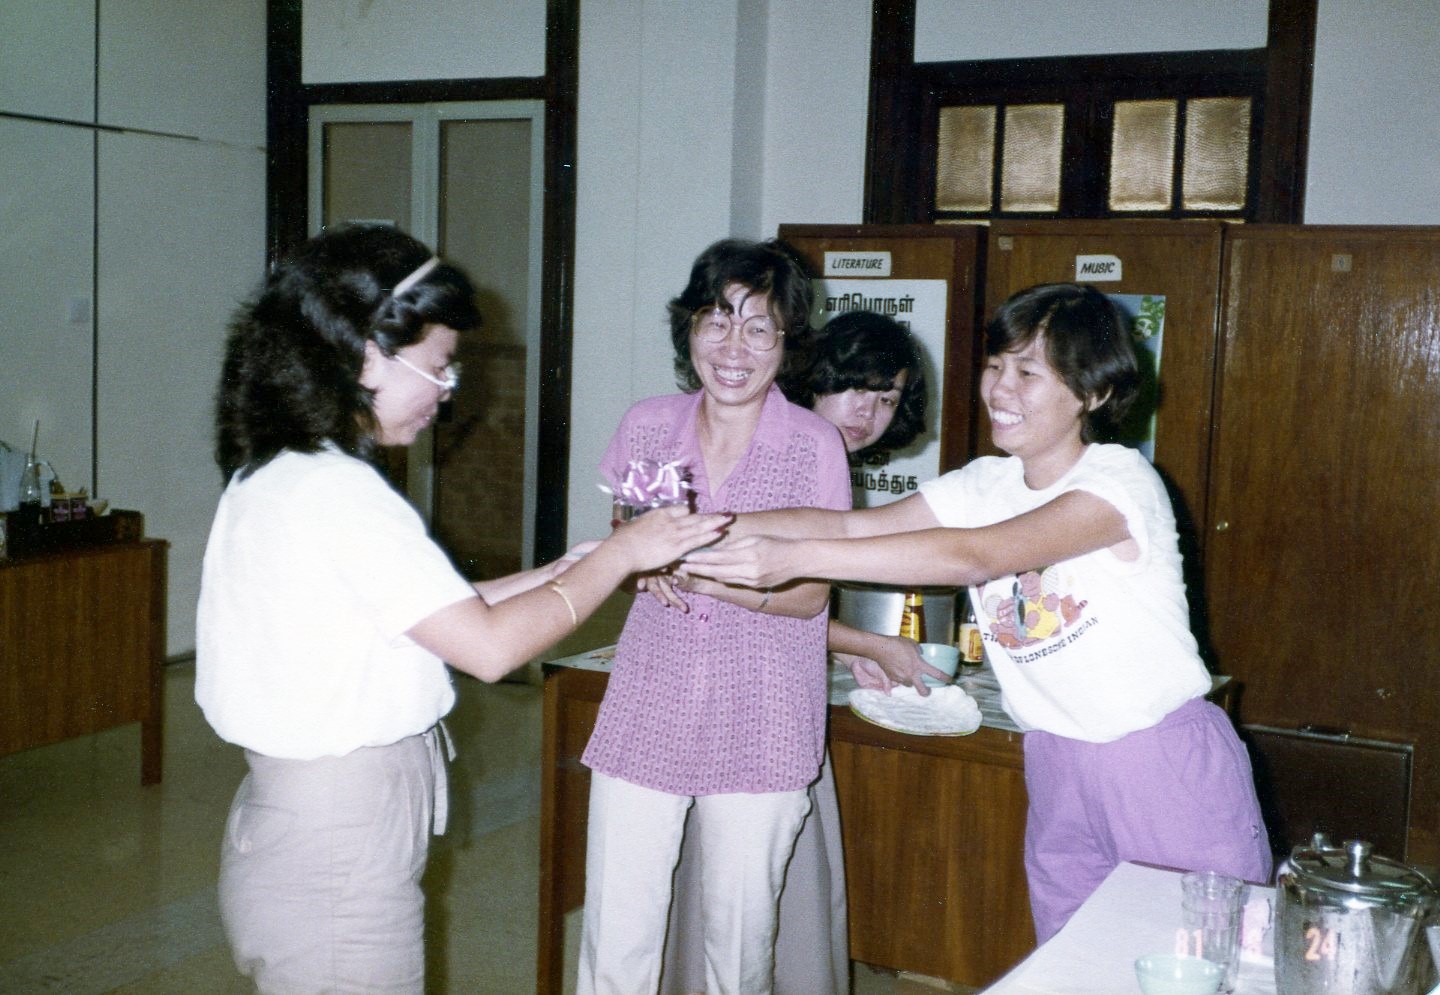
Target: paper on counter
x,y
1135,911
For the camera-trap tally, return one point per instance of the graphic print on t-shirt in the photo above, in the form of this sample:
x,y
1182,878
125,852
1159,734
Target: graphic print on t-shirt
x,y
1032,611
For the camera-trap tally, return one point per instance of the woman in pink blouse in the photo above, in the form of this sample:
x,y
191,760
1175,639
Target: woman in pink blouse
x,y
718,694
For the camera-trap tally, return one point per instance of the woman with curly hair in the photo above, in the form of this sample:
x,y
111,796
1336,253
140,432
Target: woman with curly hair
x,y
864,373
327,614
717,700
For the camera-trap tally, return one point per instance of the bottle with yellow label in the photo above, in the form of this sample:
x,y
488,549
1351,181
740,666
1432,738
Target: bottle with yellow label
x,y
912,618
972,656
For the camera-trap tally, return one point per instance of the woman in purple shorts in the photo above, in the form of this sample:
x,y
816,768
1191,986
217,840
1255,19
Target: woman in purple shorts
x,y
1068,546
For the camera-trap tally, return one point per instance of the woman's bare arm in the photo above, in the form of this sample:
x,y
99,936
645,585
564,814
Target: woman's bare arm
x,y
490,641
1073,524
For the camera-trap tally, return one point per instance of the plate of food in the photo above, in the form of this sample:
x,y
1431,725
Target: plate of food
x,y
945,711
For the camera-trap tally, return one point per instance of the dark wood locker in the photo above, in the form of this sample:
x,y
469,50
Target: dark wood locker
x,y
1323,547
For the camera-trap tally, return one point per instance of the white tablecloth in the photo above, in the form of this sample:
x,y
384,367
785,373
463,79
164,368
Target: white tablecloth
x,y
1135,912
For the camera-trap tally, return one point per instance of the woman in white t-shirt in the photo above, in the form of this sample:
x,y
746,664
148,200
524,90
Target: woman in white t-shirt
x,y
327,614
1070,552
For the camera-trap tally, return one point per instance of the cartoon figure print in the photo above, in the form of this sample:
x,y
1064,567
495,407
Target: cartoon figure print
x,y
1032,611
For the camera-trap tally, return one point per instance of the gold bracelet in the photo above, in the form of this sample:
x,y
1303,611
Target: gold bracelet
x,y
554,585
765,600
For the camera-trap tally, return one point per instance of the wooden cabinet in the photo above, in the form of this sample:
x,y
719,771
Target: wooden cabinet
x,y
933,831
82,641
1324,547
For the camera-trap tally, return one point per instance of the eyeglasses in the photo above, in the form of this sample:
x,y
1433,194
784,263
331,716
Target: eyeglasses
x,y
758,332
449,379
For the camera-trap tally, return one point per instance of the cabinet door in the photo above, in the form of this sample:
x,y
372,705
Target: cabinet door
x,y
934,831
1323,547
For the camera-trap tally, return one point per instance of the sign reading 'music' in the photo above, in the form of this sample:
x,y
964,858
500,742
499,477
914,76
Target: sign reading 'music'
x,y
857,264
1096,269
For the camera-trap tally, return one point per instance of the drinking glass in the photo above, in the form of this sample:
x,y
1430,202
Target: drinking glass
x,y
1211,905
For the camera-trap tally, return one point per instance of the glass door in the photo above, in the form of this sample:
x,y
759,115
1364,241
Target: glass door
x,y
468,179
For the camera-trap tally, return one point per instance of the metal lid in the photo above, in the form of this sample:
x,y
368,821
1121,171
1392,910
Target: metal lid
x,y
1354,870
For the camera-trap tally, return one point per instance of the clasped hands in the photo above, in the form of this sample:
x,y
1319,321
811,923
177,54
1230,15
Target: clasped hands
x,y
756,562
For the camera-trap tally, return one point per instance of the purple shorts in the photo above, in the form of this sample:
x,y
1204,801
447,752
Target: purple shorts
x,y
1179,794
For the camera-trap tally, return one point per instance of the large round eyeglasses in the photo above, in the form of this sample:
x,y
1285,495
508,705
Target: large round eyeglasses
x,y
758,332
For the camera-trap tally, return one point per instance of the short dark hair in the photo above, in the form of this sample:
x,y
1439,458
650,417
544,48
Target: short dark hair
x,y
293,356
862,350
770,268
1087,342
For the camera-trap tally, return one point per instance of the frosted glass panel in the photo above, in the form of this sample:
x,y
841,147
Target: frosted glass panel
x,y
1030,162
367,172
1142,155
480,452
965,159
1217,146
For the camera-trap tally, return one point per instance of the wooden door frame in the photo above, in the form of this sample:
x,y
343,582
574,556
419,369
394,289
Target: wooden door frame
x,y
287,126
893,183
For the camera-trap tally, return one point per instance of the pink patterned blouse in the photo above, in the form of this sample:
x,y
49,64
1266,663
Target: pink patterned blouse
x,y
722,699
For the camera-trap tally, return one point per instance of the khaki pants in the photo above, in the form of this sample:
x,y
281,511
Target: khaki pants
x,y
812,948
630,856
321,864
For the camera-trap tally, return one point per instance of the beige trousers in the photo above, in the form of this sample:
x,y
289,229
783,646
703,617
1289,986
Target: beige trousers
x,y
630,857
812,948
321,864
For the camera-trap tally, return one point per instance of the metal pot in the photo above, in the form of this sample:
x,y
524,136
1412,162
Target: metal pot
x,y
875,608
1350,922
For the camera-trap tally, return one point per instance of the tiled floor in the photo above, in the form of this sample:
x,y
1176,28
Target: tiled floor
x,y
106,886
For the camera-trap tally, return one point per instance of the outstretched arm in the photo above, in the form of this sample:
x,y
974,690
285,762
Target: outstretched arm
x,y
820,523
499,589
1075,523
490,641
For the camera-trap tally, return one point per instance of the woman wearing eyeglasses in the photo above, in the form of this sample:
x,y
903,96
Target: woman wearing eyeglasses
x,y
717,701
327,615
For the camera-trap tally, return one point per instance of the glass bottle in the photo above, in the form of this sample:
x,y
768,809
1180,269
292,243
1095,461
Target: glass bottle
x,y
30,491
912,617
972,656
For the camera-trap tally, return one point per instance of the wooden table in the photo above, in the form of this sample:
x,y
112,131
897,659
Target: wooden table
x,y
933,830
82,643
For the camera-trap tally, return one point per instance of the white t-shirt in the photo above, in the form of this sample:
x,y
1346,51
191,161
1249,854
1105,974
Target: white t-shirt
x,y
314,570
1095,647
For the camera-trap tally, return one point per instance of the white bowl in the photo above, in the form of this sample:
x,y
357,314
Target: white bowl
x,y
1168,974
942,657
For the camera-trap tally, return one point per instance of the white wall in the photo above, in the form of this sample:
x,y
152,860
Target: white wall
x,y
369,40
696,122
984,29
1375,114
158,226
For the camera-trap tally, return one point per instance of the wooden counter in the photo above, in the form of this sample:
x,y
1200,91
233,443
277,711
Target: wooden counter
x,y
933,828
82,643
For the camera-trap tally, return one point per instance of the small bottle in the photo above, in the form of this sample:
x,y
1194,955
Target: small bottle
x,y
30,493
972,656
912,617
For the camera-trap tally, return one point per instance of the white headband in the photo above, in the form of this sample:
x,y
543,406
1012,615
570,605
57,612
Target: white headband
x,y
416,276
